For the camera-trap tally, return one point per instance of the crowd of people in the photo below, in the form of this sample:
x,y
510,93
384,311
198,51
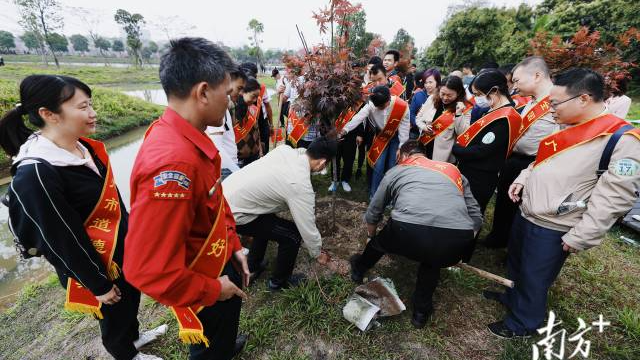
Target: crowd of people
x,y
207,190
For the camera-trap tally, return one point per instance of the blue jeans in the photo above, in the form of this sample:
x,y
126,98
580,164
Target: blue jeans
x,y
386,161
534,261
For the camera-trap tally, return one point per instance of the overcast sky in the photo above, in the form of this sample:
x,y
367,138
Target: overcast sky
x,y
227,20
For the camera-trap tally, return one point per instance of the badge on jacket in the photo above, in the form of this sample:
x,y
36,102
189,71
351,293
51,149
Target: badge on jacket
x,y
488,138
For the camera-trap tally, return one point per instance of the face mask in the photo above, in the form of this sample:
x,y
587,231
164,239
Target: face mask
x,y
482,101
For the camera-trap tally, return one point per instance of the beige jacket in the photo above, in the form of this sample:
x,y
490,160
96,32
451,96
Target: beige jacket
x,y
564,193
443,143
279,181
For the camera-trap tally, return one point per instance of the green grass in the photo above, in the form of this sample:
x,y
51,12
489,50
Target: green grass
x,y
8,58
89,74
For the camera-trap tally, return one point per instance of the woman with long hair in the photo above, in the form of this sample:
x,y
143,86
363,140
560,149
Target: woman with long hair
x,y
246,125
443,117
65,206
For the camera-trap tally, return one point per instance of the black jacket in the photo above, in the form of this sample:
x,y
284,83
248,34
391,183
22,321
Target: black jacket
x,y
50,205
485,157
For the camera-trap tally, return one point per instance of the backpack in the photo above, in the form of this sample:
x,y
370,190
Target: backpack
x,y
26,247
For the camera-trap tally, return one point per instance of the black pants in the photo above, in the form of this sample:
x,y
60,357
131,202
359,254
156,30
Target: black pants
x,y
220,322
346,154
284,232
482,184
432,247
119,326
506,209
284,110
246,161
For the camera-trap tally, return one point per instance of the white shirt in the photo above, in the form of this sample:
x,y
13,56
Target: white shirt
x,y
225,140
41,147
379,118
279,181
290,90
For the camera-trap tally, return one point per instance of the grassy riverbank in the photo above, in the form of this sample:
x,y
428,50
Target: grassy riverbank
x,y
8,58
89,74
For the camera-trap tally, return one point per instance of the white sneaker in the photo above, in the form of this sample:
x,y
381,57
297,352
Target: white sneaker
x,y
150,336
333,187
346,187
141,356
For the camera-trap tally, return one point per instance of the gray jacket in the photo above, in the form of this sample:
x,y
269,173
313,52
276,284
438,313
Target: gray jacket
x,y
425,197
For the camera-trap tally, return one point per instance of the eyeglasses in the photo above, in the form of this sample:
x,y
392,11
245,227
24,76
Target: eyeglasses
x,y
556,104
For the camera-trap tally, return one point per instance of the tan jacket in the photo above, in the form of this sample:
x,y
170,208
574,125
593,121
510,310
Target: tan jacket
x,y
277,182
443,143
565,194
543,127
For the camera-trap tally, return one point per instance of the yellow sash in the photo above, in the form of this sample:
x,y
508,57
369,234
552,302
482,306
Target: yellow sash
x,y
210,261
102,227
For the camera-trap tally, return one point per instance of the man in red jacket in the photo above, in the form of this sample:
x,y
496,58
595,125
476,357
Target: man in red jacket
x,y
182,244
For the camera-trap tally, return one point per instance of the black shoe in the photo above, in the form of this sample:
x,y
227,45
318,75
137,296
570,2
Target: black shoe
x,y
419,319
241,340
356,276
494,295
293,281
358,174
499,329
258,271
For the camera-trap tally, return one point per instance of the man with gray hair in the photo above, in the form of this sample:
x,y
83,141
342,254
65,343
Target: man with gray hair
x,y
182,240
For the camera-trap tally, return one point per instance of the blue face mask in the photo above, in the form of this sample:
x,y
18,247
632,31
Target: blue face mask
x,y
482,101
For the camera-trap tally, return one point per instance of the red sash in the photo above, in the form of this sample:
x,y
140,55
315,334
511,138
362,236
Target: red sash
x,y
344,119
396,88
263,89
568,138
366,90
536,112
276,135
520,101
102,227
513,119
472,100
300,128
241,129
442,123
450,171
395,78
392,123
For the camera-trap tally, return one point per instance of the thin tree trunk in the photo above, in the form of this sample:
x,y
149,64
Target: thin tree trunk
x,y
46,39
334,165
